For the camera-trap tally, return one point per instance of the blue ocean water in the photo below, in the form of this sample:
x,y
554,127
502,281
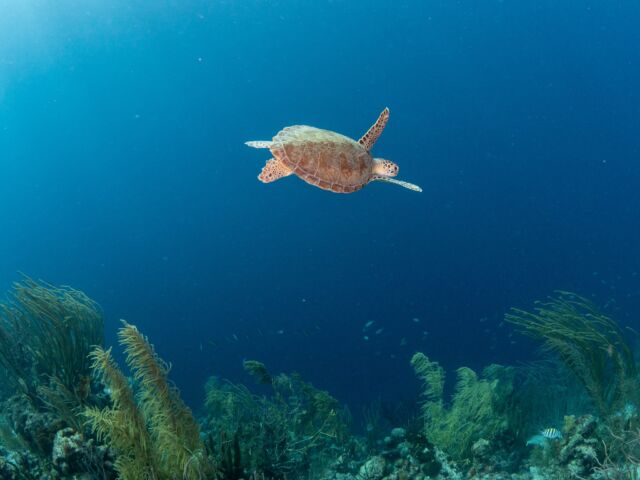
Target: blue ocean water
x,y
124,174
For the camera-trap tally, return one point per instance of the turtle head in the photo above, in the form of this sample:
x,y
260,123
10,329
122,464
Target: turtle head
x,y
385,168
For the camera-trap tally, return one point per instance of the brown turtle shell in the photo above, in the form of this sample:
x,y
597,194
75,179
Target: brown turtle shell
x,y
323,158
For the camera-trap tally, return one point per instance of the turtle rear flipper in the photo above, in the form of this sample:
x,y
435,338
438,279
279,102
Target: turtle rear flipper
x,y
273,170
259,143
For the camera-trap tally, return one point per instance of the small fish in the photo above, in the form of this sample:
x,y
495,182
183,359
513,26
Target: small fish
x,y
403,341
551,433
379,331
368,324
416,320
365,338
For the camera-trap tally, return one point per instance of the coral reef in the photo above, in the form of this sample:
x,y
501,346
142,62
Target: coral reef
x,y
20,465
576,455
580,452
73,454
481,431
67,411
46,334
295,431
36,428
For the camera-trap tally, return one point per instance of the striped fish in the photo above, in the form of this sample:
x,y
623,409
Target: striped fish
x,y
551,433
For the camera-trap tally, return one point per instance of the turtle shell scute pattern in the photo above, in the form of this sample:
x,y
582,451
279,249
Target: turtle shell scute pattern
x,y
323,158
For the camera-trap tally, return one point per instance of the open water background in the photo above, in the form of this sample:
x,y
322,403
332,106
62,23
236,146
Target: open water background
x,y
123,173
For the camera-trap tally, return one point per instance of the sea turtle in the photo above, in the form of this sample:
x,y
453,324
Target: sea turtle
x,y
328,159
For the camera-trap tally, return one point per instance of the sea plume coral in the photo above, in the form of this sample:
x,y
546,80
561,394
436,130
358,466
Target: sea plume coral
x,y
478,408
588,342
46,334
152,430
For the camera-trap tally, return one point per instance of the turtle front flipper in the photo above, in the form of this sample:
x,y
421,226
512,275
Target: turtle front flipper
x,y
259,144
369,138
273,170
408,185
